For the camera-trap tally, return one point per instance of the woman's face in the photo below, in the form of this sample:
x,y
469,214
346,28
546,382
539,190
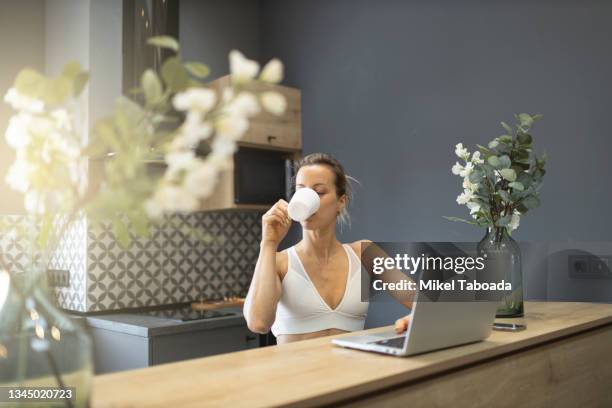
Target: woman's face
x,y
320,178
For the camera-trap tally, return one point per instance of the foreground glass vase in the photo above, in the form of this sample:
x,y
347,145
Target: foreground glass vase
x,y
40,346
503,256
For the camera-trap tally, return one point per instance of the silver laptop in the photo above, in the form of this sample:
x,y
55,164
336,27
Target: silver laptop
x,y
433,326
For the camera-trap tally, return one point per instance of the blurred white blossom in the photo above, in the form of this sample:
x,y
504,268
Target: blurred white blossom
x,y
201,179
272,72
232,126
172,198
22,102
241,68
177,161
48,167
192,131
274,102
17,135
223,147
195,99
245,104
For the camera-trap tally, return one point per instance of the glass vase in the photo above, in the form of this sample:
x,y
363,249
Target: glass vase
x,y
503,256
40,345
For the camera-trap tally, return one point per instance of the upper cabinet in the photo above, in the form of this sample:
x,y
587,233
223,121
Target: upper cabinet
x,y
270,131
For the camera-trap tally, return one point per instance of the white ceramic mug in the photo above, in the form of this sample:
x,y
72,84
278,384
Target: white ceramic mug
x,y
303,204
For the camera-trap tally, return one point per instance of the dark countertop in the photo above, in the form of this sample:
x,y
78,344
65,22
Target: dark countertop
x,y
149,326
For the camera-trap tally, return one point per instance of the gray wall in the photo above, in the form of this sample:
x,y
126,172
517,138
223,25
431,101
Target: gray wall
x,y
210,29
389,87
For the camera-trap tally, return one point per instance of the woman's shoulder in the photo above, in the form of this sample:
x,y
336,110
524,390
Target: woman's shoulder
x,y
357,245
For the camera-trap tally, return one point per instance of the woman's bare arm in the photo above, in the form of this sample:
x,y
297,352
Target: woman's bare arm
x,y
266,289
368,251
264,292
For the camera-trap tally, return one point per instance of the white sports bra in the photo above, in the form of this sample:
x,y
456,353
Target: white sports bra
x,y
301,309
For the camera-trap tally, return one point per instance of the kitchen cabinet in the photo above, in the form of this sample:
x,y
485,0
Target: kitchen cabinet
x,y
126,341
269,131
281,134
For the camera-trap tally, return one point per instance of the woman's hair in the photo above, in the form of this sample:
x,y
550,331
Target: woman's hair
x,y
342,180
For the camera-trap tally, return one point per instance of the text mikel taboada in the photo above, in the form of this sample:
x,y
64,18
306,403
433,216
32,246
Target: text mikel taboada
x,y
410,264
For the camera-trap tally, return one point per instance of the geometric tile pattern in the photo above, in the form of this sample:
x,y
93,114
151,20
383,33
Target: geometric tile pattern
x,y
187,257
71,255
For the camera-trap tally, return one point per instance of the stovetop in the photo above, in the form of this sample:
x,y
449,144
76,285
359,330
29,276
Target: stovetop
x,y
186,313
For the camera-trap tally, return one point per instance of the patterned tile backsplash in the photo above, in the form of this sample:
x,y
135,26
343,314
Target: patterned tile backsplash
x,y
171,266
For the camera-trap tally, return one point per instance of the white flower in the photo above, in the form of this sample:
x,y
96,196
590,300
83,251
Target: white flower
x,y
227,94
232,126
34,203
245,104
153,209
272,72
77,171
173,198
40,125
464,197
177,161
5,281
223,147
192,131
467,170
62,119
476,158
195,99
493,144
457,168
23,102
17,135
274,102
474,207
18,175
468,185
461,152
514,221
241,68
201,179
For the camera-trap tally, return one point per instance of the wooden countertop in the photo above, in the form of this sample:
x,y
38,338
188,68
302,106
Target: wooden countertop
x,y
313,372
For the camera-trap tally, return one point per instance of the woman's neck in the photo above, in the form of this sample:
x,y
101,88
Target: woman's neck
x,y
322,243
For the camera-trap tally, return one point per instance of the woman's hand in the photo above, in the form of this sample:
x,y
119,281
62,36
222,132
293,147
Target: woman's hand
x,y
401,324
275,223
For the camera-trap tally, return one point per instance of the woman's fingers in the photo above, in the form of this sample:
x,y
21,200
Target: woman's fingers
x,y
401,325
276,218
279,212
283,219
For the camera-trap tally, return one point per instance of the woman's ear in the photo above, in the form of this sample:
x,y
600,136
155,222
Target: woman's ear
x,y
343,200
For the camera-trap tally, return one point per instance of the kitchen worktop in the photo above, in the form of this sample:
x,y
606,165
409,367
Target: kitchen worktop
x,y
142,325
563,346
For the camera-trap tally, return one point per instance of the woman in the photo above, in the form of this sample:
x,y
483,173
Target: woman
x,y
313,288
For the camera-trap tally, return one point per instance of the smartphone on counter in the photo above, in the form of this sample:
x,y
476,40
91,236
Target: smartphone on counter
x,y
509,326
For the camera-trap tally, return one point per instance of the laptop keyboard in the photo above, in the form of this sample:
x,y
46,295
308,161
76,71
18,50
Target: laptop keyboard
x,y
397,342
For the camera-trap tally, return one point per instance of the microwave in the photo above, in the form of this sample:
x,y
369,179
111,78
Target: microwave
x,y
262,176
